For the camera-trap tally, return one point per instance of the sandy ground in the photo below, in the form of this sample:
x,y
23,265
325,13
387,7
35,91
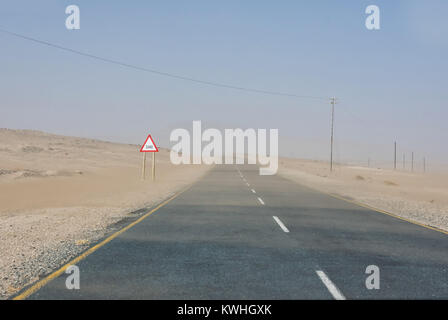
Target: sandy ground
x,y
59,194
416,196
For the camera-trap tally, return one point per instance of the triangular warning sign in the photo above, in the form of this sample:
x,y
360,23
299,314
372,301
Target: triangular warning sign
x,y
149,145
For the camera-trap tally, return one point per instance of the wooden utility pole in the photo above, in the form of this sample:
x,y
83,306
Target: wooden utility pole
x,y
404,161
333,102
424,164
412,161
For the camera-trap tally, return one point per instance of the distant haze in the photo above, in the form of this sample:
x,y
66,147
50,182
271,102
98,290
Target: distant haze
x,y
391,83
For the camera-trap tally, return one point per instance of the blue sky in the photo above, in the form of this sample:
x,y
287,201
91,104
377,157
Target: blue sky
x,y
391,83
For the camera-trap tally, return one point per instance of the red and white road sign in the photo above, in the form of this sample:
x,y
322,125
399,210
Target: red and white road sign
x,y
149,145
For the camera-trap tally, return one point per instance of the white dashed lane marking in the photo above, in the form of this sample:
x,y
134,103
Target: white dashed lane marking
x,y
330,286
334,291
280,224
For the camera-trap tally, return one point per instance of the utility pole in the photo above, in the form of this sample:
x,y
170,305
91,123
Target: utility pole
x,y
395,155
412,161
424,164
404,161
333,102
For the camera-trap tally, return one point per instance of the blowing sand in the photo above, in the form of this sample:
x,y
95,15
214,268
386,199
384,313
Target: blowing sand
x,y
418,197
59,194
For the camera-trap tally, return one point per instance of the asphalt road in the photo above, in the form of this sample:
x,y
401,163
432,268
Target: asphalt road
x,y
238,235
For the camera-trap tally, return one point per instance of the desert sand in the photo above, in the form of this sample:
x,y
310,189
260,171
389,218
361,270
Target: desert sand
x,y
59,194
419,197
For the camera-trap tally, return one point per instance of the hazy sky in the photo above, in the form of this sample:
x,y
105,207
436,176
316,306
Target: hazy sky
x,y
392,83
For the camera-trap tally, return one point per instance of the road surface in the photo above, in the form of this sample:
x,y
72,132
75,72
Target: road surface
x,y
238,235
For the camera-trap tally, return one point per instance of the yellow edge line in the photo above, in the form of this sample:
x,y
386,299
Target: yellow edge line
x,y
378,210
61,270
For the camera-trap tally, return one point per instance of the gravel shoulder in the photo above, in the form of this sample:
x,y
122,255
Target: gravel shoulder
x,y
419,197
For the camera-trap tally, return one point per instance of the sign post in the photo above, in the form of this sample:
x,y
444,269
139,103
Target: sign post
x,y
144,166
149,146
153,166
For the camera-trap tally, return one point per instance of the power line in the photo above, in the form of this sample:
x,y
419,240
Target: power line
x,y
166,74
